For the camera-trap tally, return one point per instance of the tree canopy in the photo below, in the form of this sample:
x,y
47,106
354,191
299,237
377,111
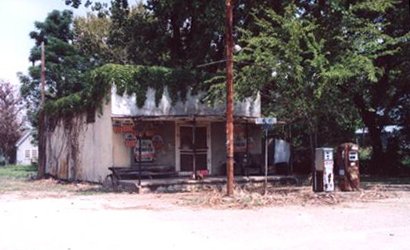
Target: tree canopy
x,y
331,61
10,122
324,67
65,66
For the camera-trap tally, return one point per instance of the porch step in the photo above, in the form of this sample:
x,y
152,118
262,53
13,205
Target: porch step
x,y
147,171
183,184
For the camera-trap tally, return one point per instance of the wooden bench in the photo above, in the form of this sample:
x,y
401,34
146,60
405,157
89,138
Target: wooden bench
x,y
148,171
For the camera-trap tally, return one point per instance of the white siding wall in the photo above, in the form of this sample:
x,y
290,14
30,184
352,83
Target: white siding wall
x,y
95,156
121,153
26,147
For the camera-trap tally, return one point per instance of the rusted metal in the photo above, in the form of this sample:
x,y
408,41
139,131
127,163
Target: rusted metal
x,y
347,161
229,99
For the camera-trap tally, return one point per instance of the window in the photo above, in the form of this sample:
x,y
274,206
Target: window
x,y
34,153
27,153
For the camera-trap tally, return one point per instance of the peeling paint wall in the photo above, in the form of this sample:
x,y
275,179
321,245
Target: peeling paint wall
x,y
94,149
87,150
126,105
121,153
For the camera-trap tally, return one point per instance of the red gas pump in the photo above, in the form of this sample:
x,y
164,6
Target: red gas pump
x,y
347,160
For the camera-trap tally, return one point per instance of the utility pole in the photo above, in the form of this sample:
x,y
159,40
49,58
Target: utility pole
x,y
41,125
43,75
229,98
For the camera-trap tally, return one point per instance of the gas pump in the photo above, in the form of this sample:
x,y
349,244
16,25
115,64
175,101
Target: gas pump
x,y
347,161
323,174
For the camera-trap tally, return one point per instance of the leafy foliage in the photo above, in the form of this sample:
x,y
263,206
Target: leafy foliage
x,y
326,67
129,80
10,123
286,60
91,40
323,63
65,66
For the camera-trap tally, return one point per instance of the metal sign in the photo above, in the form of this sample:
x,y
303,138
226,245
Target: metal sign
x,y
266,120
267,124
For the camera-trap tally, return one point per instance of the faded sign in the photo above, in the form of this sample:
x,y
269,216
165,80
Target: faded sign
x,y
147,150
242,143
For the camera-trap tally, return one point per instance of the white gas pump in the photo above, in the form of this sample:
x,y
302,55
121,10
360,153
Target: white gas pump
x,y
323,173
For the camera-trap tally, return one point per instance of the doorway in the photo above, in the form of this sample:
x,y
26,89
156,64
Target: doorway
x,y
193,147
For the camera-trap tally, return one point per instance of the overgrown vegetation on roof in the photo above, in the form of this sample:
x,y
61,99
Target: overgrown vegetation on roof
x,y
129,80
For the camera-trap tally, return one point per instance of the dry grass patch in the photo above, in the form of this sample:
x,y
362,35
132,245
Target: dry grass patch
x,y
283,196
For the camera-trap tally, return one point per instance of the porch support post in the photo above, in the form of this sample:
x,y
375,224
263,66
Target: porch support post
x,y
229,99
139,158
247,145
265,183
194,147
139,129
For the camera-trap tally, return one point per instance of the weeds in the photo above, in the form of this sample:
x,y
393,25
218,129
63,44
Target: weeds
x,y
22,178
249,198
17,171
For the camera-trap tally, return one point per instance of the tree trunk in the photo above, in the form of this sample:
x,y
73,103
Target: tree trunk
x,y
370,120
312,152
41,146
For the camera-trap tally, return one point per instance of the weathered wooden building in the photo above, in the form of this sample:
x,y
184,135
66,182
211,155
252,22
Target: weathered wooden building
x,y
184,137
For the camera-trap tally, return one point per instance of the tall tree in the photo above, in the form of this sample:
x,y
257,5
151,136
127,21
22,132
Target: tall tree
x,y
329,56
318,64
284,58
90,38
65,66
10,119
371,67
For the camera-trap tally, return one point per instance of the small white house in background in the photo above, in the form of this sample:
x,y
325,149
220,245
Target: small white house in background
x,y
27,152
362,135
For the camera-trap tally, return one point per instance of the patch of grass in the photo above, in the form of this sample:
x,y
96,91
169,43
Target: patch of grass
x,y
17,171
21,178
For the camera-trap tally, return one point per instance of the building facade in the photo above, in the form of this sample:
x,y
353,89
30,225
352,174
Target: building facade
x,y
185,137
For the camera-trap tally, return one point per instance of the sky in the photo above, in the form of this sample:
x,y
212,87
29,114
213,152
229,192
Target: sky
x,y
17,19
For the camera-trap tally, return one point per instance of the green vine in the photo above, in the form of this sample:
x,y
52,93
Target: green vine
x,y
129,80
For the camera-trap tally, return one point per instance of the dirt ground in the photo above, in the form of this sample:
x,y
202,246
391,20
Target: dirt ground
x,y
54,216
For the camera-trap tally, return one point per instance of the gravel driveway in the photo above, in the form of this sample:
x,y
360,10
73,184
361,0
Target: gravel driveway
x,y
58,220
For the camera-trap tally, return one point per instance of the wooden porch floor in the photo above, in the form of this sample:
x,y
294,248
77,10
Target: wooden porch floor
x,y
186,184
